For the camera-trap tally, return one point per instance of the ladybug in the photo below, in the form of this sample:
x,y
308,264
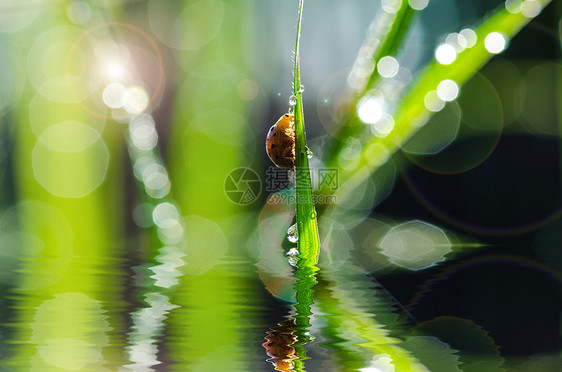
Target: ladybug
x,y
280,142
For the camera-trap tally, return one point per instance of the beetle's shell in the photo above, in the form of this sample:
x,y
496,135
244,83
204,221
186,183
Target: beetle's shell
x,y
280,142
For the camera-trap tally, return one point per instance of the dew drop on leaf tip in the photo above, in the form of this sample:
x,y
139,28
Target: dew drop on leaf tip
x,y
293,234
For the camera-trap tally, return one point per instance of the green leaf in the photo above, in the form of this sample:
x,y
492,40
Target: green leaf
x,y
412,113
307,224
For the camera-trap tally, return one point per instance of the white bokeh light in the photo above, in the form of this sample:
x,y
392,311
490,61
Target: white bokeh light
x,y
531,8
78,12
513,6
391,6
495,42
415,245
156,181
143,132
432,101
447,90
137,99
165,215
388,67
383,126
371,110
172,233
114,95
445,54
457,41
418,4
469,38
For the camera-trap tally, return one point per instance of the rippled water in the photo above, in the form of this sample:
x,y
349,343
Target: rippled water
x,y
99,310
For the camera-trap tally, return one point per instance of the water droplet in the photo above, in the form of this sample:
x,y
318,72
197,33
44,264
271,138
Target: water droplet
x,y
309,153
293,100
293,234
301,89
293,261
292,252
312,215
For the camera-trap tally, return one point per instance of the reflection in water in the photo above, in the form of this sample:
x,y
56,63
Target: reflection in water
x,y
67,316
70,324
216,326
163,276
304,295
359,319
475,349
148,324
278,345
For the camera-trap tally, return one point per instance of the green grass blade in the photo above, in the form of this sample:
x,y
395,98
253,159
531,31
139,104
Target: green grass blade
x,y
383,42
412,111
307,224
392,42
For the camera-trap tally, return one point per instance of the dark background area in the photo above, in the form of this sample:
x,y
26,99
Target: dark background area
x,y
511,203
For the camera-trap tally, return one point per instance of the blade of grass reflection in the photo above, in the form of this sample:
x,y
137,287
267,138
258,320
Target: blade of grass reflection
x,y
343,344
306,279
348,299
359,315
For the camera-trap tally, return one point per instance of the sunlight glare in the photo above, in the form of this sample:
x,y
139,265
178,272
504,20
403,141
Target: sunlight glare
x,y
371,110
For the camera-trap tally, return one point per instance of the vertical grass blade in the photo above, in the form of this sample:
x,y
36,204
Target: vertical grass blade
x,y
307,225
306,214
